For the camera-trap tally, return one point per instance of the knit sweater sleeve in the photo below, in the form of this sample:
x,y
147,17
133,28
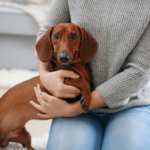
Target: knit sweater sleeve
x,y
58,13
118,90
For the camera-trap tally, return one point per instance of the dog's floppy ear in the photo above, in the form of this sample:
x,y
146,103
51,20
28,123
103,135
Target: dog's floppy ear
x,y
88,46
44,47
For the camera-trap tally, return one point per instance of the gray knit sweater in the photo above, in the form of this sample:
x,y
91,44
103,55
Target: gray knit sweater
x,y
120,68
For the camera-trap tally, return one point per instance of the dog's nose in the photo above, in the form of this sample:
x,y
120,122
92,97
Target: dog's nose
x,y
64,57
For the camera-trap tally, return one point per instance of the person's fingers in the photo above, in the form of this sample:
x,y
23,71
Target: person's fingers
x,y
37,106
64,95
37,94
71,89
46,96
69,74
68,95
45,116
35,90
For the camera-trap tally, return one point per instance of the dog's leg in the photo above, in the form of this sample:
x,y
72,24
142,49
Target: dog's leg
x,y
4,143
24,138
15,111
84,87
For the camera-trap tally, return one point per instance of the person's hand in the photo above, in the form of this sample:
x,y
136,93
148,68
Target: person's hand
x,y
54,83
53,107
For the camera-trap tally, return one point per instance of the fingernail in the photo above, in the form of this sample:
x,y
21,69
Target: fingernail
x,y
77,76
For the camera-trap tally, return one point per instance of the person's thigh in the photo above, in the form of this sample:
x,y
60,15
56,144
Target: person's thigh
x,y
84,132
128,130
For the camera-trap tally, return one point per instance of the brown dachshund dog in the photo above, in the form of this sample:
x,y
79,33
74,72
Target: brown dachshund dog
x,y
67,47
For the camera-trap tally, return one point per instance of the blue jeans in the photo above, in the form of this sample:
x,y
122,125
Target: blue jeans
x,y
125,130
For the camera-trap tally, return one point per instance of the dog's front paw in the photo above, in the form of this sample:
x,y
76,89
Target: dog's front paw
x,y
84,103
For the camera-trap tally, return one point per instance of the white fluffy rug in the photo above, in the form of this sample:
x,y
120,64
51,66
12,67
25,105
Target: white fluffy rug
x,y
9,78
38,143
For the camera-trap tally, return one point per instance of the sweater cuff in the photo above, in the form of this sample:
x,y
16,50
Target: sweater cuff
x,y
112,97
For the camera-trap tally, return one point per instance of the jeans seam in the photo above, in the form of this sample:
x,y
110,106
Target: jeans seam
x,y
102,140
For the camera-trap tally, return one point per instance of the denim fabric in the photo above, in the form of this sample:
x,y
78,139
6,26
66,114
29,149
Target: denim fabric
x,y
125,130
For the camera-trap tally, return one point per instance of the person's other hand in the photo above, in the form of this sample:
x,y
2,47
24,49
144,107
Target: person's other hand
x,y
54,83
51,106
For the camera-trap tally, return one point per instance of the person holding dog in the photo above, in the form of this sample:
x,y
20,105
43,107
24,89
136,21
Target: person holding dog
x,y
119,112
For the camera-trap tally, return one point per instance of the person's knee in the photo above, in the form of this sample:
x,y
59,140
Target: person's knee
x,y
82,132
129,129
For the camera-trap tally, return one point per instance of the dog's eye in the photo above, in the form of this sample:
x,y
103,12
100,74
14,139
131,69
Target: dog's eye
x,y
73,36
56,37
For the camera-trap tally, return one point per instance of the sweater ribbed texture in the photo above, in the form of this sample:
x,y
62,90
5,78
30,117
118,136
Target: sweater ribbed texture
x,y
120,69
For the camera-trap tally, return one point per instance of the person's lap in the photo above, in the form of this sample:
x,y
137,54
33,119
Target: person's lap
x,y
126,130
78,133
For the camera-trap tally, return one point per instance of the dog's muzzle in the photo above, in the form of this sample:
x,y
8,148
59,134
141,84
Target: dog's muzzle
x,y
64,58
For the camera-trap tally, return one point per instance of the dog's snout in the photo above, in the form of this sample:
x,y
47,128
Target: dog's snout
x,y
64,57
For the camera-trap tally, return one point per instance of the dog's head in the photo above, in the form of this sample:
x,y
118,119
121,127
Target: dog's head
x,y
64,42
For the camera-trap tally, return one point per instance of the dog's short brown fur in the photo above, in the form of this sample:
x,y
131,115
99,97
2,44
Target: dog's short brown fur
x,y
15,109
